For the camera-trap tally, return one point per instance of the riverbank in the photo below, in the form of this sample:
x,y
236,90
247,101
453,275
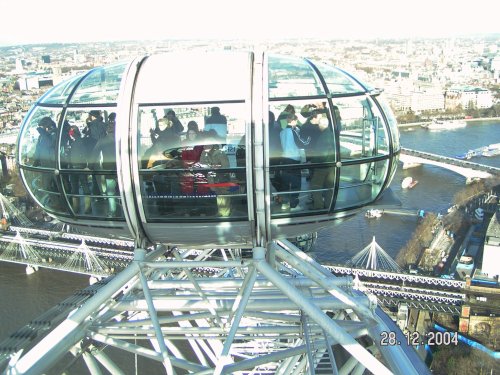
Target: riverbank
x,y
411,124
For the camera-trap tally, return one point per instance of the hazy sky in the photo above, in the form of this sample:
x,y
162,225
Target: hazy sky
x,y
98,20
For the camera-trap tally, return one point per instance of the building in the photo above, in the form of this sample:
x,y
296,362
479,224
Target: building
x,y
468,97
415,96
427,100
491,252
34,81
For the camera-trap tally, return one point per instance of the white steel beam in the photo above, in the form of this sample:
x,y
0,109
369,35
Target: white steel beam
x,y
315,313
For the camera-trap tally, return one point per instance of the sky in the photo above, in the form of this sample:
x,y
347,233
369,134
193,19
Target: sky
x,y
49,21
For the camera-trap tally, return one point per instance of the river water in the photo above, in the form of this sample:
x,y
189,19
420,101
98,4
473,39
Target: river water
x,y
24,297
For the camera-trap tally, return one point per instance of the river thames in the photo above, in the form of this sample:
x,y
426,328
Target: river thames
x,y
24,297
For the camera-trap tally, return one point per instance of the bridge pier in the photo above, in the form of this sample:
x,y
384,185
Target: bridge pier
x,y
31,269
94,279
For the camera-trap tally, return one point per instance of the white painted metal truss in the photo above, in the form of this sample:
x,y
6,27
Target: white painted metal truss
x,y
166,314
407,278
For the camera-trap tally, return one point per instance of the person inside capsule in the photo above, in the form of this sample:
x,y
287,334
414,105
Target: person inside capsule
x,y
44,152
176,183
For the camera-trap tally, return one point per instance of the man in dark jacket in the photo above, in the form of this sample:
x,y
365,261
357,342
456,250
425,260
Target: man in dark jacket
x,y
323,177
105,159
45,152
176,123
79,153
217,122
96,127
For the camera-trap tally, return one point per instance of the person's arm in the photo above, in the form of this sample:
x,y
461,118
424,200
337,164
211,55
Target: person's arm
x,y
299,141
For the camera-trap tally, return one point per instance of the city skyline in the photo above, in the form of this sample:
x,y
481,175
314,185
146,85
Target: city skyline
x,y
47,22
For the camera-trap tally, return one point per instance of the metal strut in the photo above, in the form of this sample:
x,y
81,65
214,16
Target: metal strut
x,y
219,312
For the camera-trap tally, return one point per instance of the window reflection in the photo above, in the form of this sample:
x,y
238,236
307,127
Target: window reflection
x,y
100,86
37,144
337,81
192,162
44,186
391,119
292,77
60,93
361,128
360,183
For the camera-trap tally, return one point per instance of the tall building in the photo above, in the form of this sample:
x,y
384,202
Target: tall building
x,y
19,66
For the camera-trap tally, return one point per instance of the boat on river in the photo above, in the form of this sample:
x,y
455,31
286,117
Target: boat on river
x,y
472,153
408,182
373,213
445,124
492,150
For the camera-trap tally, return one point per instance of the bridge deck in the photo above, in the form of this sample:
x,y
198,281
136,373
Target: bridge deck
x,y
467,168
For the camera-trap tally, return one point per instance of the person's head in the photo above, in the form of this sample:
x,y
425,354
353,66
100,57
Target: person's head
x,y
164,123
170,114
308,110
193,125
95,114
289,108
191,134
215,110
47,123
315,117
291,119
112,117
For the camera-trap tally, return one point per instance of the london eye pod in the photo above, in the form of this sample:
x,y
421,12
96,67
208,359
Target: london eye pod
x,y
208,149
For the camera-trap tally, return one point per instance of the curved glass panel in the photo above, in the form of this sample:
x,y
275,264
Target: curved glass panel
x,y
291,77
37,145
192,162
86,125
393,124
59,94
360,183
302,157
338,82
101,86
45,188
361,128
88,159
379,129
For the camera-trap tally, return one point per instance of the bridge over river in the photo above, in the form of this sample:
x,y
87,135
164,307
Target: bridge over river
x,y
208,284
466,168
101,257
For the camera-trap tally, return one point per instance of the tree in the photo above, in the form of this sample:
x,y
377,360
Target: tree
x,y
462,359
420,239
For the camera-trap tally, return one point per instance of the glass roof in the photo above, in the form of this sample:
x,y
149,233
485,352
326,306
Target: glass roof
x,y
223,76
60,93
99,86
292,76
338,82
